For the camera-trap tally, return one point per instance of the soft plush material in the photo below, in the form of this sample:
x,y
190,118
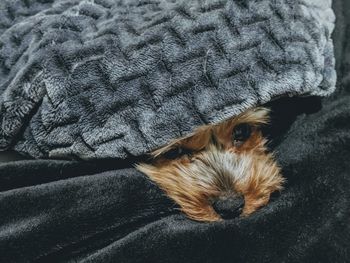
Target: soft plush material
x,y
111,78
69,211
105,211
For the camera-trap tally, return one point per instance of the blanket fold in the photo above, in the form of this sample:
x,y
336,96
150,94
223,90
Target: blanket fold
x,y
113,79
68,211
105,211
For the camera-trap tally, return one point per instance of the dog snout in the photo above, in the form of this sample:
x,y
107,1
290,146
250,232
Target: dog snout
x,y
229,207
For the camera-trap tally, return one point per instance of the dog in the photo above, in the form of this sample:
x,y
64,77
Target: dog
x,y
219,171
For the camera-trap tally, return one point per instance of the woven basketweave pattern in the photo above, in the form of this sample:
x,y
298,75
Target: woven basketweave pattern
x,y
103,78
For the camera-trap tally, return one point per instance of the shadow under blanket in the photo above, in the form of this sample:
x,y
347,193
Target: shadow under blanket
x,y
102,211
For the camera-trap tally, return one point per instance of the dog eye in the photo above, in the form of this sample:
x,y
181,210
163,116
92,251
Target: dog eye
x,y
176,153
241,133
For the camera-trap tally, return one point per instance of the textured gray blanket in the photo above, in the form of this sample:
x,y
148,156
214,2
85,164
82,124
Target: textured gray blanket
x,y
114,78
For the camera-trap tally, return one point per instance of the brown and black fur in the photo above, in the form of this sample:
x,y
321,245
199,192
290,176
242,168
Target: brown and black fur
x,y
214,164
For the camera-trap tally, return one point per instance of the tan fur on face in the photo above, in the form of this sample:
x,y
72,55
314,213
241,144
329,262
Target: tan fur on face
x,y
218,167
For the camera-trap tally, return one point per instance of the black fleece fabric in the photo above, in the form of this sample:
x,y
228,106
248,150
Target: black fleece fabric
x,y
70,211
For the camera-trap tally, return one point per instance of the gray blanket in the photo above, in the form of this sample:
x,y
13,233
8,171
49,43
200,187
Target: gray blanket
x,y
118,78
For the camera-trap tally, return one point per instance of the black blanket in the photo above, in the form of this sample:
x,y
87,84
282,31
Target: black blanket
x,y
64,211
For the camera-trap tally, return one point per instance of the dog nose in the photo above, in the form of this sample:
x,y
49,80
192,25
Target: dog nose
x,y
229,207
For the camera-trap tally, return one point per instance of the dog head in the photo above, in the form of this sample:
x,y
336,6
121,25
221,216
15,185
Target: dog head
x,y
219,171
